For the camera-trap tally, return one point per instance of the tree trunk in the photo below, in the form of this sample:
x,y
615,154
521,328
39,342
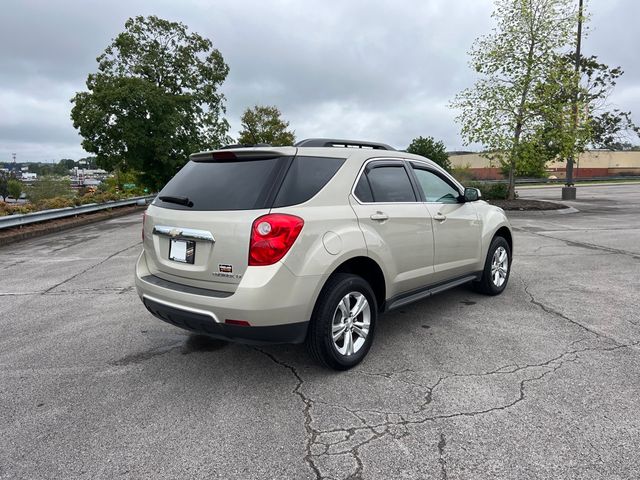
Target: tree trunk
x,y
511,192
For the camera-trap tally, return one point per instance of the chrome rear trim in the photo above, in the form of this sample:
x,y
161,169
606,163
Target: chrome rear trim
x,y
184,233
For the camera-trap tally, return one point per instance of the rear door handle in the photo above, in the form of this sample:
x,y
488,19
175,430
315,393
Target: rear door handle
x,y
439,217
379,217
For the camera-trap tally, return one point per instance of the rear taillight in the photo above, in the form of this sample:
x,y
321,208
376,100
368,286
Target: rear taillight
x,y
144,217
272,236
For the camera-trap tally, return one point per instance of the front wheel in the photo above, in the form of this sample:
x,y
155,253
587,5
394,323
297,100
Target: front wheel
x,y
497,268
343,322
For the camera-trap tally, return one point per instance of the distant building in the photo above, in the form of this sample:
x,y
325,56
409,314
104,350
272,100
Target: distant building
x,y
28,176
593,163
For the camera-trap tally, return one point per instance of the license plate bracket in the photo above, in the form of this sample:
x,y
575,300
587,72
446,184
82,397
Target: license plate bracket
x,y
182,251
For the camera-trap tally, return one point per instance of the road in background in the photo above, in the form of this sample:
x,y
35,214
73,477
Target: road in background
x,y
540,382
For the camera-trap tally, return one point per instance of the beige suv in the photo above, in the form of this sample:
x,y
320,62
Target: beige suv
x,y
310,243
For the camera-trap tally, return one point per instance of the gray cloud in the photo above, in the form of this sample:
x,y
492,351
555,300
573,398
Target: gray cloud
x,y
367,69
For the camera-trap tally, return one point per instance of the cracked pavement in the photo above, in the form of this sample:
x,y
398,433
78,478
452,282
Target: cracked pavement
x,y
540,382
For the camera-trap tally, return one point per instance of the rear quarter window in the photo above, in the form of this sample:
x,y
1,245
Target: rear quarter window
x,y
305,178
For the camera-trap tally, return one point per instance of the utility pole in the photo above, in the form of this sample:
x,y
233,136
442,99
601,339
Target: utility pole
x,y
569,190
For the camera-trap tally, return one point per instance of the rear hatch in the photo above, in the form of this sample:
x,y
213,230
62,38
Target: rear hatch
x,y
197,230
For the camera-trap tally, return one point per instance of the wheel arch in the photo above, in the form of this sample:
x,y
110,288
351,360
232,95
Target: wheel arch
x,y
368,269
505,233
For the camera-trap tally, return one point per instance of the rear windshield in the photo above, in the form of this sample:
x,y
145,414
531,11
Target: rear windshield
x,y
238,185
248,184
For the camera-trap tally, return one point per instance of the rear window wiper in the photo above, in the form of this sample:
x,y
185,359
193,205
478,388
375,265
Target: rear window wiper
x,y
179,200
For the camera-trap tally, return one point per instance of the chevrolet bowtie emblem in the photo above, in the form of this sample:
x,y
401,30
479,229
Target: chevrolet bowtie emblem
x,y
175,232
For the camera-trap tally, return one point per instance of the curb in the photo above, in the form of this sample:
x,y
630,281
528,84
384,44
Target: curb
x,y
26,232
579,185
541,213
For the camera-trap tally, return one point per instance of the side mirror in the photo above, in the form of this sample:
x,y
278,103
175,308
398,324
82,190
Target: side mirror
x,y
472,194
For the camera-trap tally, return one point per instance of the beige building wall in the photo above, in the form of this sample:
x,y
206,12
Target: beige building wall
x,y
594,163
590,159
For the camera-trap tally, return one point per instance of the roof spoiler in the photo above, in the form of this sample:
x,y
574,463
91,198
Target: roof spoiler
x,y
333,142
226,155
245,145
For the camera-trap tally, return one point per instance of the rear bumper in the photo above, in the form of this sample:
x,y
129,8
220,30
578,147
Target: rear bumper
x,y
203,324
276,303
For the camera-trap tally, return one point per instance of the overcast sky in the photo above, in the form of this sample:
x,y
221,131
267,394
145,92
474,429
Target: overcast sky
x,y
366,69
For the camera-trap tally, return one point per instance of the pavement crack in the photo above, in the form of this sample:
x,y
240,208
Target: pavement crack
x,y
442,443
351,440
90,267
93,291
312,434
551,311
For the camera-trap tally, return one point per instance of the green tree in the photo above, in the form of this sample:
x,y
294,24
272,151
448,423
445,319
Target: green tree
x,y
593,123
154,100
263,124
119,179
63,166
41,169
501,110
608,126
4,185
14,188
48,187
432,149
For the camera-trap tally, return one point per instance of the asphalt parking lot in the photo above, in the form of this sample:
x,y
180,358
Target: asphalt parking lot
x,y
540,382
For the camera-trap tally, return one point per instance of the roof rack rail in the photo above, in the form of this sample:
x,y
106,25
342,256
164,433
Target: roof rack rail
x,y
333,142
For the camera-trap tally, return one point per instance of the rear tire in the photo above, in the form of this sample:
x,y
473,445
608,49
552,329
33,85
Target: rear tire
x,y
497,268
343,323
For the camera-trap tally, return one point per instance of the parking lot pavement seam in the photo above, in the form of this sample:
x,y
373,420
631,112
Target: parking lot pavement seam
x,y
91,267
352,439
587,245
19,294
11,265
78,291
558,314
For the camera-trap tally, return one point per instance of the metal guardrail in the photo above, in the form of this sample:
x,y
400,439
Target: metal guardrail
x,y
9,221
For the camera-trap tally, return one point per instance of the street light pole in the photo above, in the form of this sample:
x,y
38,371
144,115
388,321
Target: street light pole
x,y
569,190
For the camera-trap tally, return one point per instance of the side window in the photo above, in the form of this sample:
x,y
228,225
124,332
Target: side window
x,y
390,184
305,178
363,190
435,188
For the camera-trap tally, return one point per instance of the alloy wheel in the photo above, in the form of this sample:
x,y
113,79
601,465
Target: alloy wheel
x,y
351,323
499,266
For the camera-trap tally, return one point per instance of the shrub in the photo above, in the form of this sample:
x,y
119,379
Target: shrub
x,y
105,197
15,208
56,202
491,190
